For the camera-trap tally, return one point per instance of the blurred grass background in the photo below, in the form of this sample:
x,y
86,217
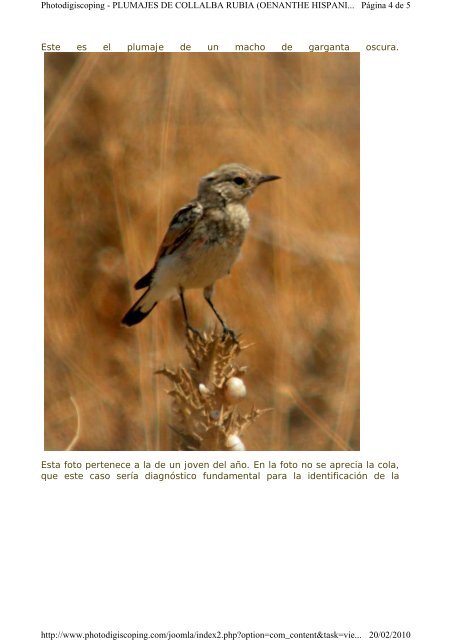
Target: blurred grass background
x,y
127,137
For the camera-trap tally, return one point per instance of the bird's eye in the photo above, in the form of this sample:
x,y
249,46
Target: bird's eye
x,y
239,180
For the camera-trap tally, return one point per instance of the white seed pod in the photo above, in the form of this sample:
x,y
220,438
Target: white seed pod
x,y
233,443
203,390
234,390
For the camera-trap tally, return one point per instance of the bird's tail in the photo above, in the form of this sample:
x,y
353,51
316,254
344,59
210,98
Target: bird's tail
x,y
142,308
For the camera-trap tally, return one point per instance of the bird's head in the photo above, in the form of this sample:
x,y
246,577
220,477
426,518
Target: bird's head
x,y
233,182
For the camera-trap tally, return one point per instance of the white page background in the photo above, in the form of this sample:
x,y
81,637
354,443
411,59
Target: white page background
x,y
293,557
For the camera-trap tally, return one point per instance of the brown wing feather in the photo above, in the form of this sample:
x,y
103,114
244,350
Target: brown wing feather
x,y
179,229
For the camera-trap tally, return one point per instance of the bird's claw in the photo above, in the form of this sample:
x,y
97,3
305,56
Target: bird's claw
x,y
194,331
231,334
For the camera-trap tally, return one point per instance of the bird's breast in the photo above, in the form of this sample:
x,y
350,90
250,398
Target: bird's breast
x,y
226,225
214,246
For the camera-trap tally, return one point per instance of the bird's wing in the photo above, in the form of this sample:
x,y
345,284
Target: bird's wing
x,y
179,230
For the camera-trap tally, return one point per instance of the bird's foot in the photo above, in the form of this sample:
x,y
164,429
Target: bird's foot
x,y
227,332
191,329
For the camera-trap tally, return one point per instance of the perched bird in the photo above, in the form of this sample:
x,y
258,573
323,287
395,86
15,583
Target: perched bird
x,y
202,242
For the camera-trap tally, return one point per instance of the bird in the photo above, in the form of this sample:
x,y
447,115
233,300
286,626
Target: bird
x,y
201,244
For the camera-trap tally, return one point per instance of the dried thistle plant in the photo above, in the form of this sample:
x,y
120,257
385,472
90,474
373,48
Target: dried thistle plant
x,y
206,394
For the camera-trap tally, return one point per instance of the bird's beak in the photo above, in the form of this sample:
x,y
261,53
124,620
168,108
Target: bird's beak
x,y
262,179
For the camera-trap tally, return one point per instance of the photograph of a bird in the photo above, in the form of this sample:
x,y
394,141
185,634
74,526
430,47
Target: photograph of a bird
x,y
202,242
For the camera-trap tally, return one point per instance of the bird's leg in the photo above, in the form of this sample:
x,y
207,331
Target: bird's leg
x,y
188,326
208,292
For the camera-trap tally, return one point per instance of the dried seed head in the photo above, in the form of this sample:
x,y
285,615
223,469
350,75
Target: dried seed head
x,y
234,390
205,393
